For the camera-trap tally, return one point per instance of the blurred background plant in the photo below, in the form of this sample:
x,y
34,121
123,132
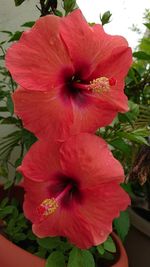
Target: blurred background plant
x,y
127,136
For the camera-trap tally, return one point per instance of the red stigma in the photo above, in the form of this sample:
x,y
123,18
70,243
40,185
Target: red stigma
x,y
112,81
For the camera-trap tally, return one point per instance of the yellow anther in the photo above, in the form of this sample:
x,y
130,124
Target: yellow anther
x,y
100,85
47,207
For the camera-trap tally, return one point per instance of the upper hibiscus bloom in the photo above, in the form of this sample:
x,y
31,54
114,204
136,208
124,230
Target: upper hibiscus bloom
x,y
72,189
71,76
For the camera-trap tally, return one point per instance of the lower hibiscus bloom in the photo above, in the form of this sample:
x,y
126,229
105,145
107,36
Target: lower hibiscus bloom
x,y
72,189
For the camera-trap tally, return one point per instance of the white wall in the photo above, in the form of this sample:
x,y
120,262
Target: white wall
x,y
11,16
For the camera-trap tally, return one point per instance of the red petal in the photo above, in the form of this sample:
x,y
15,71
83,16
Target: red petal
x,y
103,204
41,162
38,58
117,66
48,116
43,113
87,156
96,113
80,40
87,45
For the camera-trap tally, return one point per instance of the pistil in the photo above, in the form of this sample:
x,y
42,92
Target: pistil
x,y
81,86
99,85
50,205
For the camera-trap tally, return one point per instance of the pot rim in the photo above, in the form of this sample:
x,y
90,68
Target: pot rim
x,y
139,222
123,259
38,262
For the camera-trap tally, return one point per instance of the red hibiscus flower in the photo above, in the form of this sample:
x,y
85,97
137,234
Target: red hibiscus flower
x,y
71,76
73,190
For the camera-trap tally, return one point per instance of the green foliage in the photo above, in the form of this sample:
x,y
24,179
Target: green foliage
x,y
82,258
10,105
122,224
15,222
100,249
109,245
15,37
49,242
147,25
18,2
28,24
141,55
105,18
56,259
107,250
58,13
69,6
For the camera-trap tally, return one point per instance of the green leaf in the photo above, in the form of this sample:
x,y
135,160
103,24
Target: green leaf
x,y
18,178
141,132
2,57
69,5
28,138
108,256
82,258
133,137
100,249
122,224
18,2
16,36
105,18
65,246
109,245
3,109
41,253
2,94
8,183
6,211
28,24
10,105
3,171
121,145
128,188
7,32
4,202
8,120
147,25
58,13
49,242
141,55
131,115
56,259
18,162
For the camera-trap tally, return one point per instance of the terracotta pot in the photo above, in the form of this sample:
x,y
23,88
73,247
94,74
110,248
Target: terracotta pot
x,y
13,256
123,259
138,241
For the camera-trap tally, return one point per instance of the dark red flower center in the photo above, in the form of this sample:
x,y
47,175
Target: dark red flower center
x,y
78,89
64,190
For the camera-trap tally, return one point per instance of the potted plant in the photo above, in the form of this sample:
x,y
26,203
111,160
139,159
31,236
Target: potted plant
x,y
138,175
139,211
70,191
